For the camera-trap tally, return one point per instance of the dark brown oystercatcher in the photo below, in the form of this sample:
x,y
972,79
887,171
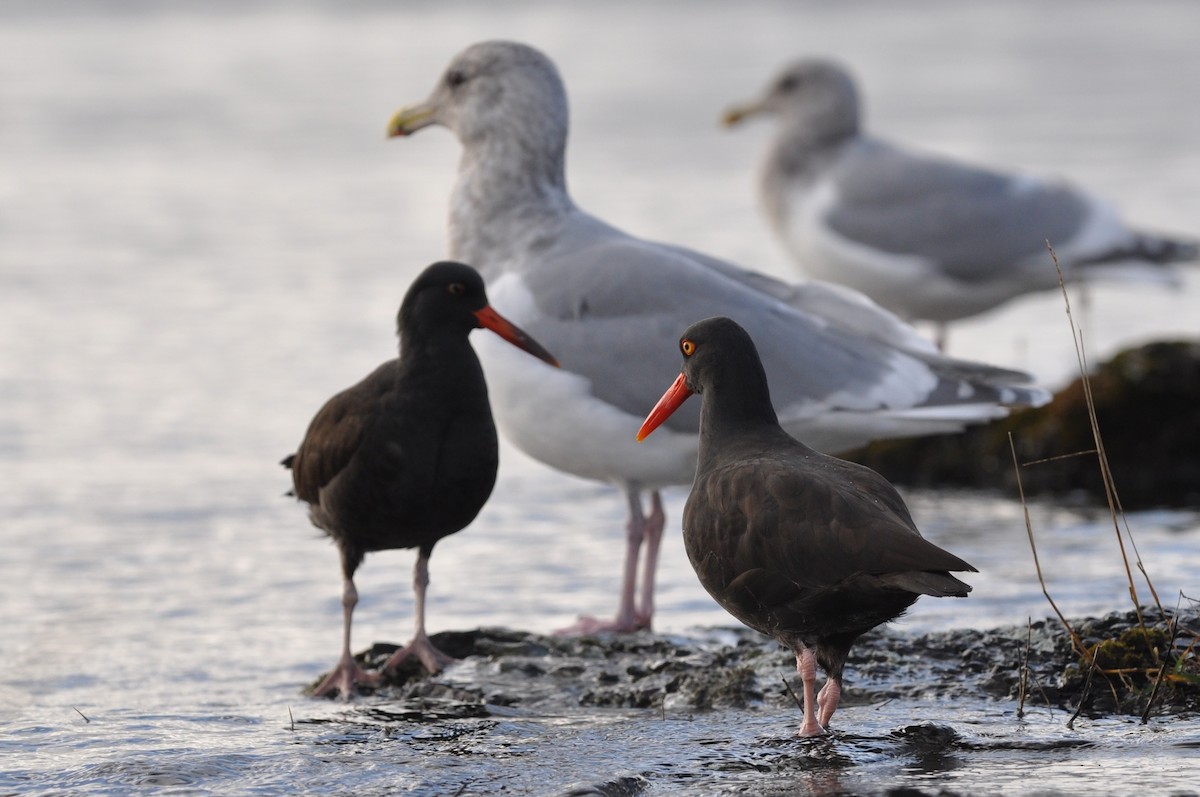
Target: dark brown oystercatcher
x,y
804,547
409,454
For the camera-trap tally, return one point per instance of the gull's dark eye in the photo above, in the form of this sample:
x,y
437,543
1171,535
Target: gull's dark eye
x,y
789,83
456,288
455,78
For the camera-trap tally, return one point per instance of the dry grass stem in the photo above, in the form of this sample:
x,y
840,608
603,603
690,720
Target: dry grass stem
x,y
1044,460
1087,689
791,692
1024,679
1159,658
1110,488
1076,641
1027,674
1154,692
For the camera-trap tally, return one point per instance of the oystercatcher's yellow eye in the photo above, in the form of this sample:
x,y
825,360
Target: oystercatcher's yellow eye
x,y
687,347
457,288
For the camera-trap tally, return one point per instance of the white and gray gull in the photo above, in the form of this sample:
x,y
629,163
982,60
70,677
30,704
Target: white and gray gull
x,y
926,237
842,370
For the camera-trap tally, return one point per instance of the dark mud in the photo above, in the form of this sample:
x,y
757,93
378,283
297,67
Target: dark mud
x,y
1147,404
1144,667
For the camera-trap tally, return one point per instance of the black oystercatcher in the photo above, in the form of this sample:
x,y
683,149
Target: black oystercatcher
x,y
843,371
804,547
409,454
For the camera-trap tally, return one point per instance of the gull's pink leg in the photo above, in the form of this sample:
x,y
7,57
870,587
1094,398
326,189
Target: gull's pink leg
x,y
655,522
626,619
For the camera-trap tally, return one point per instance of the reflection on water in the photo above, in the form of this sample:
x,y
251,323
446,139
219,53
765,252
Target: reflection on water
x,y
204,234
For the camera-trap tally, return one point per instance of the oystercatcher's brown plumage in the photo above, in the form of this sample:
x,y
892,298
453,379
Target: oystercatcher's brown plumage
x,y
409,454
804,547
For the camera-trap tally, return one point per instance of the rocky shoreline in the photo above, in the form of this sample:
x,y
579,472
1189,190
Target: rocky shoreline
x,y
738,668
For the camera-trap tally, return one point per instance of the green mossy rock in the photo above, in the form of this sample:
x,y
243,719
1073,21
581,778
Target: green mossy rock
x,y
1148,410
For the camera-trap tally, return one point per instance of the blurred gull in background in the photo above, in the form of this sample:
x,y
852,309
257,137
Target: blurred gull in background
x,y
926,237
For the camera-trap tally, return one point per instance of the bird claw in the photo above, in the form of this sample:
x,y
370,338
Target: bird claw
x,y
433,659
810,732
343,678
586,626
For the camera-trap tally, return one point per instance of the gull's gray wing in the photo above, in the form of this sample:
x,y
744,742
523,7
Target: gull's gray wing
x,y
836,304
971,222
596,284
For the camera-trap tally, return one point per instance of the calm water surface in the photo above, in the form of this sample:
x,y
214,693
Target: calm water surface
x,y
203,234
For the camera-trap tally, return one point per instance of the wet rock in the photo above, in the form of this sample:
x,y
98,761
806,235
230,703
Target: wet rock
x,y
1131,652
1141,662
927,734
619,787
427,711
1138,662
1148,411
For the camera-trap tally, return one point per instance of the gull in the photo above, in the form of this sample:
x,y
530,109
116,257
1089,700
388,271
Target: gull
x,y
842,370
927,237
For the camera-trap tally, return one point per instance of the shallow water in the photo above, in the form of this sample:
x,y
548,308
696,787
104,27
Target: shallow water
x,y
203,234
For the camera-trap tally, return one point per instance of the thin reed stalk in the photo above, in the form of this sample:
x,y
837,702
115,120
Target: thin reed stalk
x,y
1110,488
1076,641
